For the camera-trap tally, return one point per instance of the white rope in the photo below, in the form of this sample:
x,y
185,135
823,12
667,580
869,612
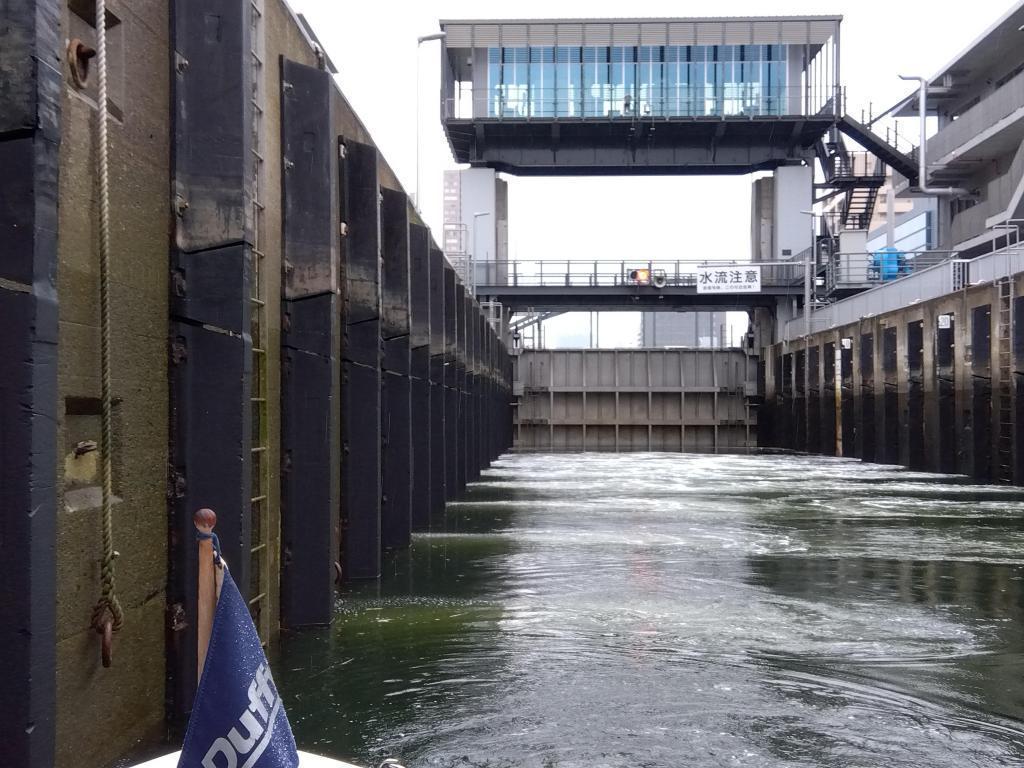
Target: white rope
x,y
108,607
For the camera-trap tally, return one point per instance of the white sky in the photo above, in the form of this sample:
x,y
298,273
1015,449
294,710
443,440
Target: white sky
x,y
616,217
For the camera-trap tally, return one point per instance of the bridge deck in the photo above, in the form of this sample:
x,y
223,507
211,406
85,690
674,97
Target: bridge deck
x,y
679,284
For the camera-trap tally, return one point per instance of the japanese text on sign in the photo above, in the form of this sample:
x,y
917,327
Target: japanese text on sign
x,y
738,279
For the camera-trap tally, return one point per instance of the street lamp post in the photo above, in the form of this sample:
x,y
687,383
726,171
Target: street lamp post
x,y
420,41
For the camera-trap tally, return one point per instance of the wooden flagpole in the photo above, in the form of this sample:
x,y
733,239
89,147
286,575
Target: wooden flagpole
x,y
209,586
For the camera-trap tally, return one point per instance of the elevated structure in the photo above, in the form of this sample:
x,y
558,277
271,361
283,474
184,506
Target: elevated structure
x,y
639,96
673,285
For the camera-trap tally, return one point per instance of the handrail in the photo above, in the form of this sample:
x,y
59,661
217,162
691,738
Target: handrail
x,y
866,269
615,101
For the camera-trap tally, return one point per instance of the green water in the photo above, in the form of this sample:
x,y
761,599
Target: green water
x,y
671,610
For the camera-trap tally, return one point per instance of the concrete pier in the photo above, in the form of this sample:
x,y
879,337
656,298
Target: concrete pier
x,y
419,341
396,425
935,386
361,365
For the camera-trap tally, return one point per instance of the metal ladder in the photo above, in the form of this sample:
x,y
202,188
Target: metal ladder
x,y
1005,373
259,581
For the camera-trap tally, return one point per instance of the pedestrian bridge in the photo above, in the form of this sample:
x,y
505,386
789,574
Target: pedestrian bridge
x,y
638,284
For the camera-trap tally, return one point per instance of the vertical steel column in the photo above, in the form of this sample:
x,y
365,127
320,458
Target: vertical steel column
x,y
865,437
361,363
800,401
472,423
487,381
30,127
211,349
438,429
829,407
945,378
847,399
893,434
814,398
451,386
419,340
461,348
309,365
1017,362
916,419
485,394
396,429
981,392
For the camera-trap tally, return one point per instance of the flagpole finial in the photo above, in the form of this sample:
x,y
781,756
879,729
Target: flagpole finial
x,y
205,519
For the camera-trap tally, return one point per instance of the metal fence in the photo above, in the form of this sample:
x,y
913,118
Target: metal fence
x,y
860,270
927,282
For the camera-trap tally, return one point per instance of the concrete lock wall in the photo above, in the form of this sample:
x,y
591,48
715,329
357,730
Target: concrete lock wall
x,y
635,400
936,386
277,307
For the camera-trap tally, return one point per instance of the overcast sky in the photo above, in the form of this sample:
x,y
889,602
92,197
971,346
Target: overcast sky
x,y
374,48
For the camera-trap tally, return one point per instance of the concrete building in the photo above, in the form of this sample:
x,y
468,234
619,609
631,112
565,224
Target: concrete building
x,y
925,368
978,98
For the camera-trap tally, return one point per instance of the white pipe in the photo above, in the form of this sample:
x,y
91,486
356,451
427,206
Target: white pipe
x,y
922,161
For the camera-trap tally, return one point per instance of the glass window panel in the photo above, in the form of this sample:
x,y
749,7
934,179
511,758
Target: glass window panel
x,y
595,81
542,81
622,93
515,82
494,82
698,91
569,96
649,81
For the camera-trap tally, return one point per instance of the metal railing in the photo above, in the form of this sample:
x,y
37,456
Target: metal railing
x,y
860,270
856,165
603,100
606,273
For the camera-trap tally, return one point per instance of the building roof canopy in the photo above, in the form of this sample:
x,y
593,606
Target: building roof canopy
x,y
767,30
997,51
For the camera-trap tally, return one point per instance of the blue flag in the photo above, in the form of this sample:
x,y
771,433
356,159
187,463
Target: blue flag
x,y
237,719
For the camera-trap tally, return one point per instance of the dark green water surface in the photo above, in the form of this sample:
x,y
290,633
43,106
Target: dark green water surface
x,y
679,610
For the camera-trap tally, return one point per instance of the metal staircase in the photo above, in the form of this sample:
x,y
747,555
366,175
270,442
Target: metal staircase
x,y
879,147
859,207
857,175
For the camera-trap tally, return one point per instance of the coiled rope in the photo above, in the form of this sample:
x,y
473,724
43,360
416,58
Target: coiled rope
x,y
107,616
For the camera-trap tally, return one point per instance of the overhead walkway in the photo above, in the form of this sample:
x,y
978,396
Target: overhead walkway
x,y
545,286
638,96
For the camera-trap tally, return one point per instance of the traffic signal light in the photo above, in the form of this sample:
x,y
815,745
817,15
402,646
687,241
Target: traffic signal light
x,y
640,276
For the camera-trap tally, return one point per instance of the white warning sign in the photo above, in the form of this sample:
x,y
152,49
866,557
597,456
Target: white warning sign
x,y
737,279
